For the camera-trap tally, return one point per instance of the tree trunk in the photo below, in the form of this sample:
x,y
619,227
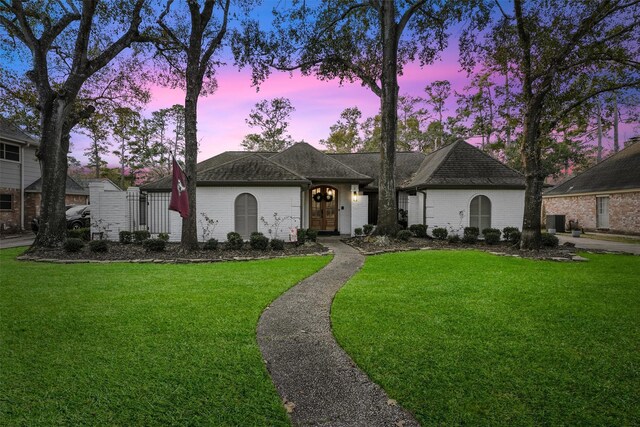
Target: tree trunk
x,y
616,143
534,178
387,209
189,240
599,112
52,154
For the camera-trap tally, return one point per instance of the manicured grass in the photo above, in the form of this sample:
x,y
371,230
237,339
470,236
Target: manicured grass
x,y
468,338
127,344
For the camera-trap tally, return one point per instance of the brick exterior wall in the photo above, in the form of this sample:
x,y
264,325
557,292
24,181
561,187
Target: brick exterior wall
x,y
624,211
32,205
10,219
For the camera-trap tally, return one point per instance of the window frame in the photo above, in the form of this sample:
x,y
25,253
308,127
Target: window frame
x,y
3,151
11,202
481,212
246,215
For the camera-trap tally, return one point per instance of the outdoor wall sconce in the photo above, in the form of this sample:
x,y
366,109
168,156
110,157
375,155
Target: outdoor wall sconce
x,y
355,196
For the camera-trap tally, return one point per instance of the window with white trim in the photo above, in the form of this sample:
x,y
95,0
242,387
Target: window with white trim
x,y
246,215
9,152
6,202
480,212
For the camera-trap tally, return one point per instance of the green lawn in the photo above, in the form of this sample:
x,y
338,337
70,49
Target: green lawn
x,y
470,338
138,344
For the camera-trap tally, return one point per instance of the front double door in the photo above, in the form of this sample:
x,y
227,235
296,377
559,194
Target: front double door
x,y
323,210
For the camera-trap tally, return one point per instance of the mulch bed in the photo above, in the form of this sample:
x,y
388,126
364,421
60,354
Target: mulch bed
x,y
373,246
172,254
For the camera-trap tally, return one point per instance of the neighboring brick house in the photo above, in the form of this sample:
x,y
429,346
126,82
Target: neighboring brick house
x,y
20,186
604,197
19,167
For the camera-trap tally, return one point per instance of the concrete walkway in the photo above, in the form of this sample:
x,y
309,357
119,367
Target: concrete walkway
x,y
318,382
16,240
600,245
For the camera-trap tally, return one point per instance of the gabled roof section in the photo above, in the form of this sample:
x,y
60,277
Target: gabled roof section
x,y
12,133
315,165
253,169
460,165
72,187
228,156
407,163
618,172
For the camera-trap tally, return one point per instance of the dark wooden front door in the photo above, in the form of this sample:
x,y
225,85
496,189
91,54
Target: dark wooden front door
x,y
323,211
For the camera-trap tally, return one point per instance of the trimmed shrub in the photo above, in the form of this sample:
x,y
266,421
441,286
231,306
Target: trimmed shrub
x,y
302,236
491,237
367,229
140,236
404,235
453,238
210,245
357,231
508,231
80,233
125,237
549,240
98,246
470,235
418,230
154,245
234,240
492,230
514,237
259,241
312,235
73,244
164,236
277,244
440,233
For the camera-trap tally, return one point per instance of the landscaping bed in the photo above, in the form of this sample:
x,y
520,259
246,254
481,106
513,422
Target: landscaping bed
x,y
371,245
172,253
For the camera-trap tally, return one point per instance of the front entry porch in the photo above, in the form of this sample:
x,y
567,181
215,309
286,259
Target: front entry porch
x,y
323,210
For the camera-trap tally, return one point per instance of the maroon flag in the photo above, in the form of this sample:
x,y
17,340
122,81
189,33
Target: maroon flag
x,y
179,199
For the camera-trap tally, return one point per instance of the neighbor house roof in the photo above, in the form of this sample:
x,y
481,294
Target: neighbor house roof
x,y
460,165
315,165
618,172
72,187
10,132
369,164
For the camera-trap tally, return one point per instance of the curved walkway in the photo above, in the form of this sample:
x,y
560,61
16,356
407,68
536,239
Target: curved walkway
x,y
318,382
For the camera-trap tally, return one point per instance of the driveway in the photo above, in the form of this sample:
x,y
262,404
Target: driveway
x,y
600,245
25,239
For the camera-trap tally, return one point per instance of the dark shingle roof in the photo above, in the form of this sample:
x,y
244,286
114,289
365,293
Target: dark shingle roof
x,y
618,172
462,165
10,132
315,165
369,164
252,169
72,187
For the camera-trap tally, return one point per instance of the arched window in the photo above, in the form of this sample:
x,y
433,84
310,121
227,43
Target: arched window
x,y
480,213
246,212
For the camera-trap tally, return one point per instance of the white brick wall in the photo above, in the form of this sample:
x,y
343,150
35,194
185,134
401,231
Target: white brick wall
x,y
359,212
450,208
108,210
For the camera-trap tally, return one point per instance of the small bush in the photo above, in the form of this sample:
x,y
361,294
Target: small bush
x,y
357,231
73,244
507,232
80,233
164,236
312,235
259,241
367,229
302,236
125,237
514,237
491,237
404,235
470,235
140,236
210,245
453,238
234,240
492,230
277,244
440,233
549,240
98,246
418,230
154,245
